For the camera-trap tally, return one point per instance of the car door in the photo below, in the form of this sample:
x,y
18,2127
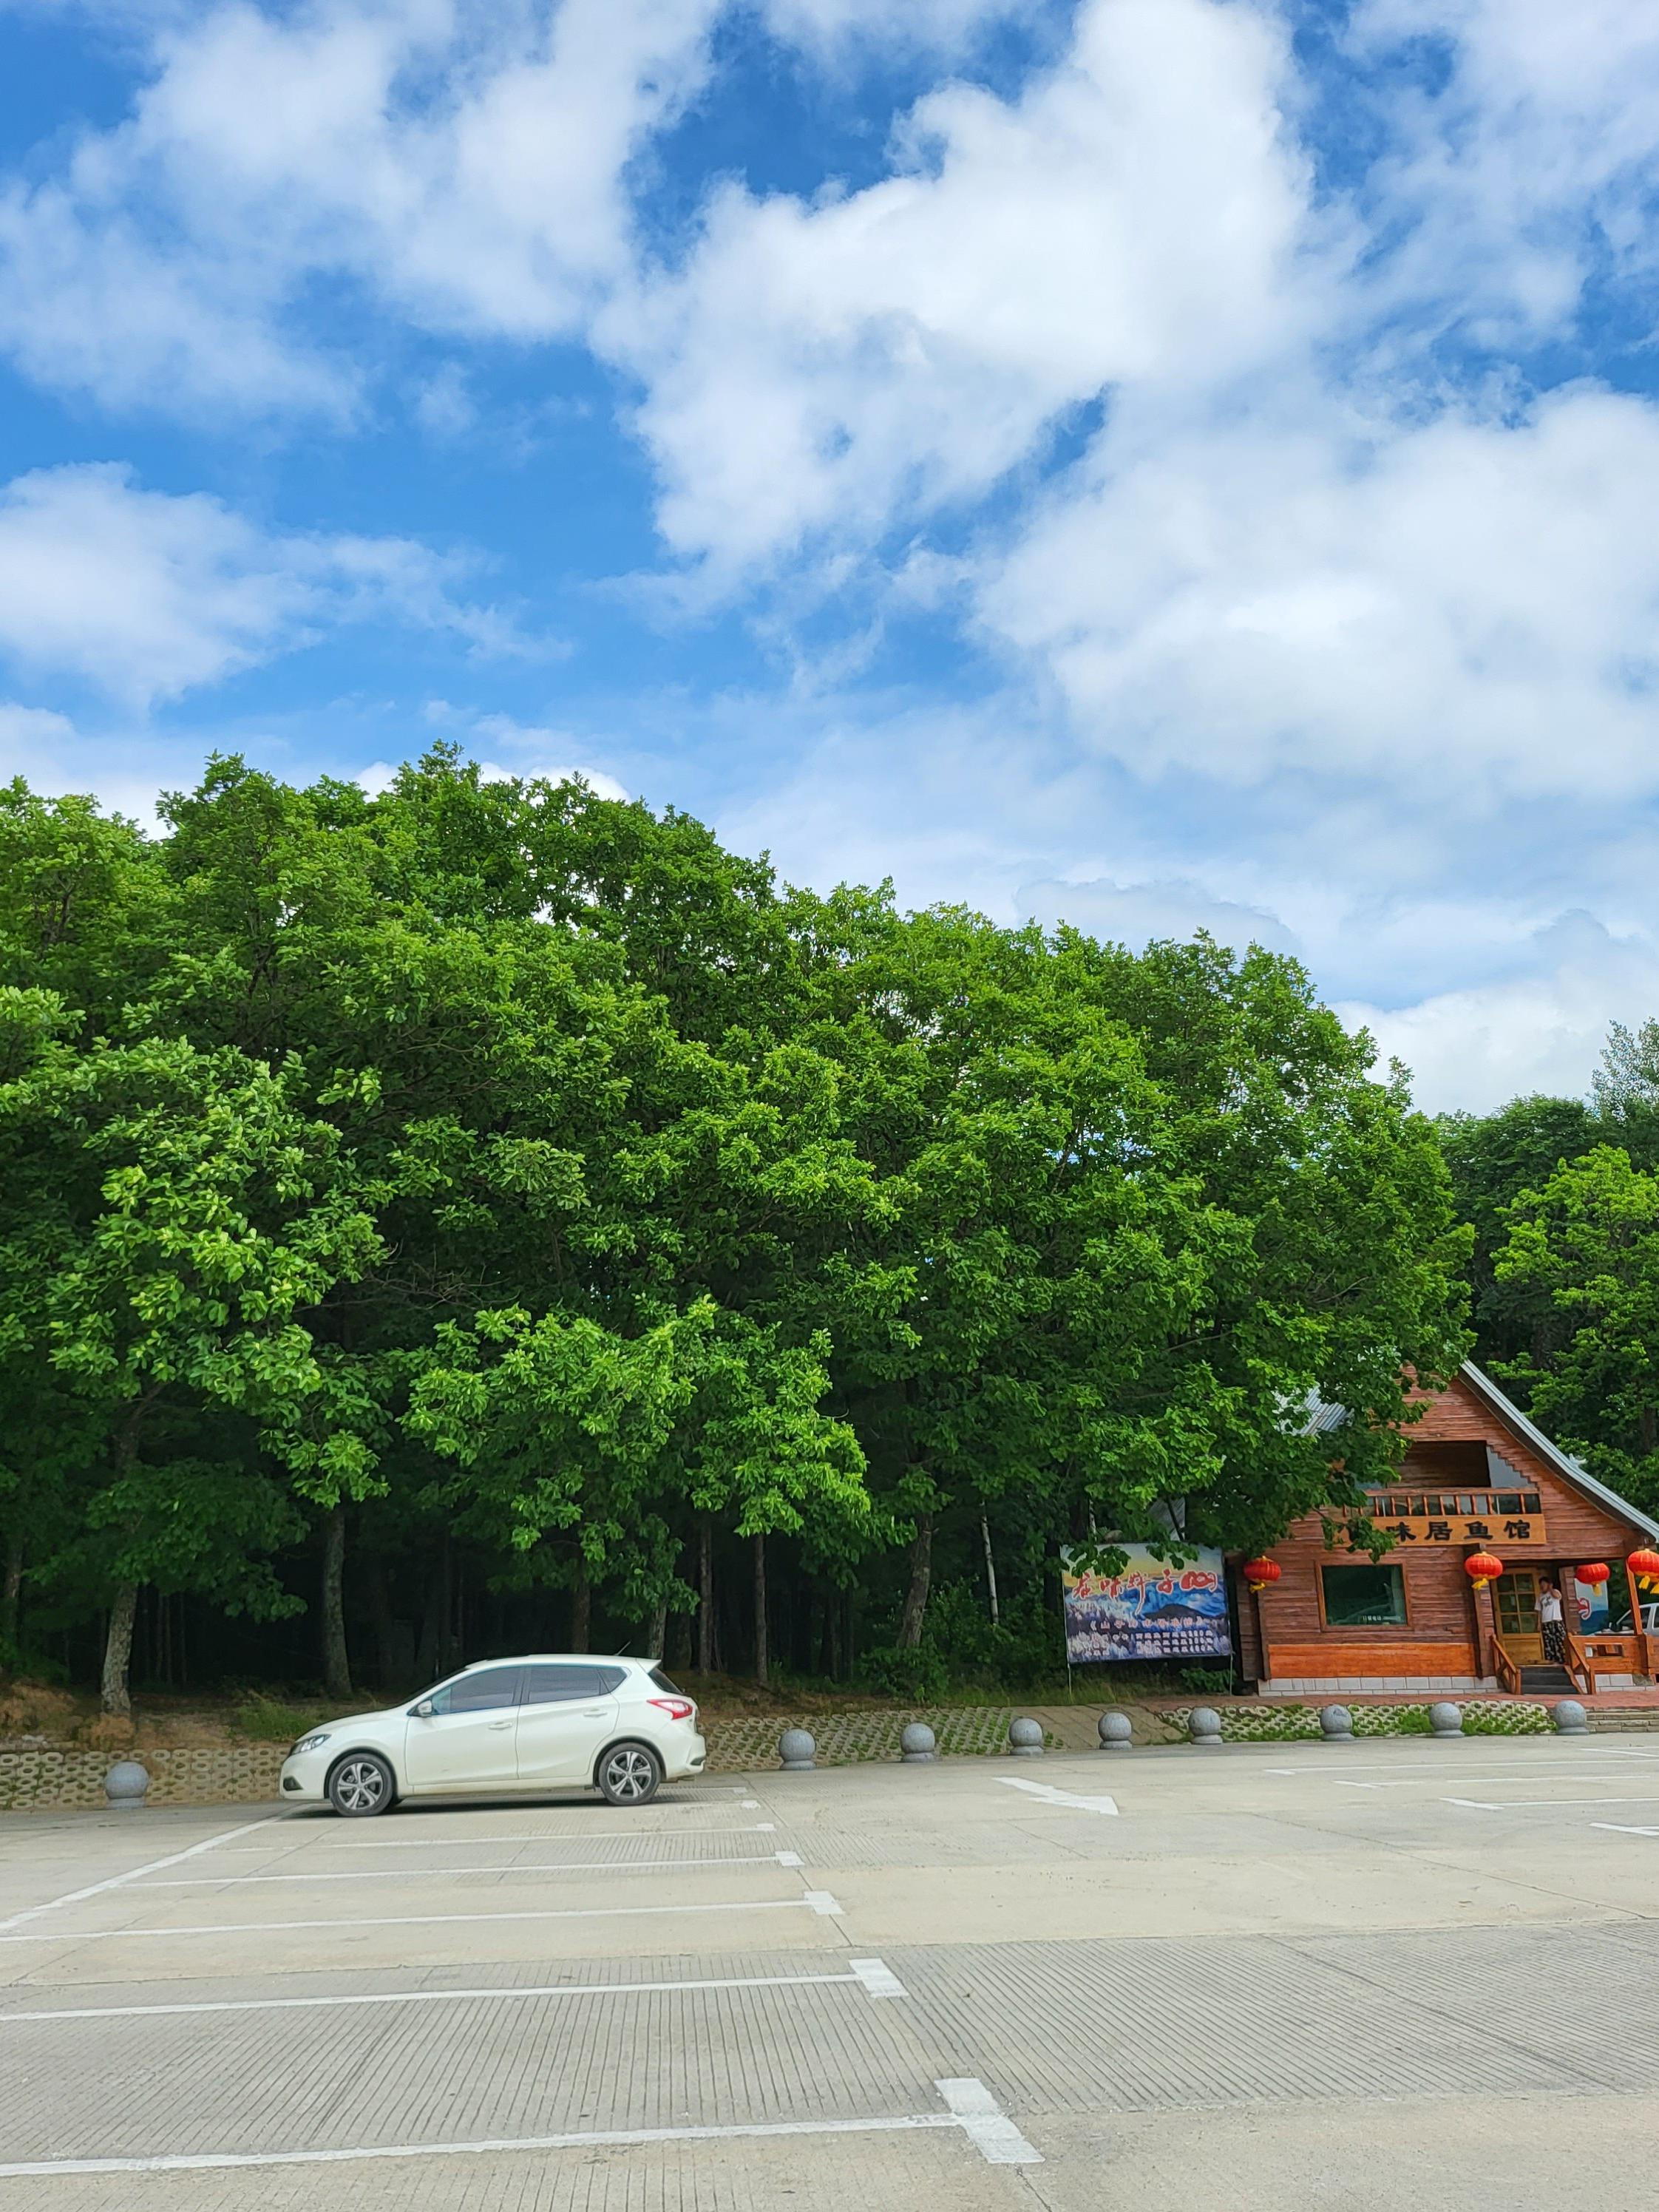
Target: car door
x,y
466,1741
567,1714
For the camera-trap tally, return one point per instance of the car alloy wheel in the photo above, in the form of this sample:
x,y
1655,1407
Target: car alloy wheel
x,y
629,1775
360,1787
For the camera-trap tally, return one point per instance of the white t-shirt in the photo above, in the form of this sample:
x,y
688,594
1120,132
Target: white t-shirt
x,y
1549,1604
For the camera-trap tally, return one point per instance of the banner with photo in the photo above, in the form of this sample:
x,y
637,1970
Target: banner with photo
x,y
1152,1610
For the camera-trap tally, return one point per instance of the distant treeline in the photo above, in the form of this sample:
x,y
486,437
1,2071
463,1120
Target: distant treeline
x,y
489,1216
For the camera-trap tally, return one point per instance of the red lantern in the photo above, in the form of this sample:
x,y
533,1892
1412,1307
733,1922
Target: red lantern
x,y
1645,1566
1259,1573
1481,1568
1593,1575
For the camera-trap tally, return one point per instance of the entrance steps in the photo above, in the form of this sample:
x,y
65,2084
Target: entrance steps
x,y
1546,1679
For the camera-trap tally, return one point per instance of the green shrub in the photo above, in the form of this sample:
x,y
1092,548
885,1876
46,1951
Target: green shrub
x,y
911,1676
265,1720
1207,1681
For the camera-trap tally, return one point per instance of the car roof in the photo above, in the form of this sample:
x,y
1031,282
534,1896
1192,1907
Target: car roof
x,y
559,1659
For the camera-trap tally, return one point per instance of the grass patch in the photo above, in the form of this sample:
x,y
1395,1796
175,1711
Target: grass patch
x,y
264,1720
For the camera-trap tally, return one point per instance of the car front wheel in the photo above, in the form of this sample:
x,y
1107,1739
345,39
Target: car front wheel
x,y
361,1786
630,1774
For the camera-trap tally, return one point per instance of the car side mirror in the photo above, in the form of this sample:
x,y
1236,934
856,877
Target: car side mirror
x,y
424,1709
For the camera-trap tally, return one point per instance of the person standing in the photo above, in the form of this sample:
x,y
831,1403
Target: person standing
x,y
1550,1624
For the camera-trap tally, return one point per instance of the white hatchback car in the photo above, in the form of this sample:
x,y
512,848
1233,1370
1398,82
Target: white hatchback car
x,y
618,1726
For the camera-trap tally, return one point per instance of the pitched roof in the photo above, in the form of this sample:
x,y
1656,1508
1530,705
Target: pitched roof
x,y
1322,1416
1570,1469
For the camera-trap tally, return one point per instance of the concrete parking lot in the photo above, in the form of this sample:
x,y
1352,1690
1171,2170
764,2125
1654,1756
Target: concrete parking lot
x,y
1379,1975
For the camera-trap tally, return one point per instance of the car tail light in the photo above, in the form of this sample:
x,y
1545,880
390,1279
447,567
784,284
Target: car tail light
x,y
677,1709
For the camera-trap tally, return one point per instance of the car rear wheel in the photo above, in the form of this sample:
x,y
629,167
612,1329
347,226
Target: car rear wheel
x,y
360,1786
630,1774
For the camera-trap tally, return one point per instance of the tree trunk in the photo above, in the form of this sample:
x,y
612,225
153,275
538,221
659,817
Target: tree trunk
x,y
114,1695
921,1575
11,1589
337,1664
380,1612
582,1609
656,1638
763,1674
990,1571
705,1596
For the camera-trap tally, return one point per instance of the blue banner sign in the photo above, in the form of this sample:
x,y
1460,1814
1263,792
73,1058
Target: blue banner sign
x,y
1150,1611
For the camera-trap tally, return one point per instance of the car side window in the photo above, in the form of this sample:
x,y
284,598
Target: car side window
x,y
557,1685
485,1692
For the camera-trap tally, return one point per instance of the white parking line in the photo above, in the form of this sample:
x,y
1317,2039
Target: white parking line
x,y
1618,1828
433,1873
1533,1804
971,2110
1572,1763
814,1901
874,1976
1050,1796
879,1977
120,1880
1430,1780
471,1843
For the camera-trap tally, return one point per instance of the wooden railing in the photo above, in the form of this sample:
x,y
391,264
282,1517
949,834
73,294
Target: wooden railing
x,y
1587,1657
1580,1665
1508,1674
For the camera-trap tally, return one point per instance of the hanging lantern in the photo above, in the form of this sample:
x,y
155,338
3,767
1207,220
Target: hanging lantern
x,y
1593,1575
1259,1573
1481,1568
1645,1566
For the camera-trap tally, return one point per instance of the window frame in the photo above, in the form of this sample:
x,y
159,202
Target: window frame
x,y
514,1667
611,1679
1382,1630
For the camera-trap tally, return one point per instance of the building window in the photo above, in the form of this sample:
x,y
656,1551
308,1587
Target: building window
x,y
1364,1597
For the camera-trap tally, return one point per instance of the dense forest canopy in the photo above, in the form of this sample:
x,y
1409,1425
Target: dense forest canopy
x,y
490,1216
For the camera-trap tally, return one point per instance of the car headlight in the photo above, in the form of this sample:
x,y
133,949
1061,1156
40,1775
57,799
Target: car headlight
x,y
310,1743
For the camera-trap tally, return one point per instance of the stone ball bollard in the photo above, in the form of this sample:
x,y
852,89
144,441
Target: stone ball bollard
x,y
1446,1720
1571,1718
1336,1724
125,1786
1115,1733
1026,1738
1204,1726
797,1749
917,1744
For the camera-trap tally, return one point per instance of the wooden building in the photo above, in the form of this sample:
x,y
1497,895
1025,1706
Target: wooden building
x,y
1477,1478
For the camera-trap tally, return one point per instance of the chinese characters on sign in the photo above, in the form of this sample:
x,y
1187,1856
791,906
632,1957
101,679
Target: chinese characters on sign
x,y
1152,1610
1464,1529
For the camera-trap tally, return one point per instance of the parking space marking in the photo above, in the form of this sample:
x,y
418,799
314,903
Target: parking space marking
x,y
1050,1796
433,1873
132,1874
814,1901
970,2110
1535,1804
878,1976
1573,1764
874,1976
1618,1828
471,1843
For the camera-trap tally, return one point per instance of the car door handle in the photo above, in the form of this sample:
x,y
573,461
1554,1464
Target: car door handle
x,y
501,1725
594,1712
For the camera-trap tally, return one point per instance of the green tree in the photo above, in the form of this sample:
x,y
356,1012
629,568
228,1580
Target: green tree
x,y
169,1218
1588,1241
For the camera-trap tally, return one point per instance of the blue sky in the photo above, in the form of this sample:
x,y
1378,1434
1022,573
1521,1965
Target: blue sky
x,y
1158,463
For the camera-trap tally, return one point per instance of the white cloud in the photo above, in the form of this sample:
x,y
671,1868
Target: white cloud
x,y
1472,598
147,594
1133,217
463,161
1530,166
1541,1029
1135,913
